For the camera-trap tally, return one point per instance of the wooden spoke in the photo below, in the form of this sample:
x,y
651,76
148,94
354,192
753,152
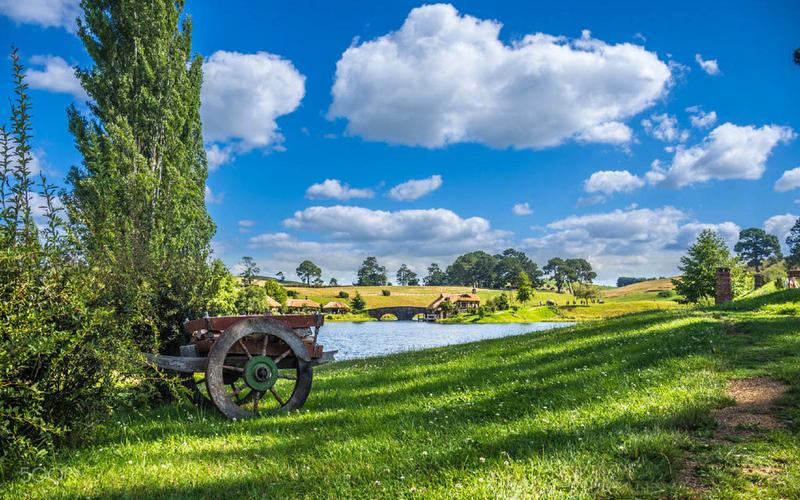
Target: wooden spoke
x,y
275,393
264,345
244,348
279,358
235,368
255,402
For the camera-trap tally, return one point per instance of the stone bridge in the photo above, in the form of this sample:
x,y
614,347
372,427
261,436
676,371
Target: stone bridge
x,y
403,313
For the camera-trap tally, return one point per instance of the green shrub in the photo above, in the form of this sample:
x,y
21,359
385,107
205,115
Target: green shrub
x,y
386,293
343,295
665,294
292,293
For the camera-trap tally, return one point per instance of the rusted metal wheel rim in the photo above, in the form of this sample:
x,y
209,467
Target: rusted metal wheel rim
x,y
261,391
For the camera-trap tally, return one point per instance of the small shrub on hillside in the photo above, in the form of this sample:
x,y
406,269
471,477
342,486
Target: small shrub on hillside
x,y
292,293
343,295
780,283
665,294
386,293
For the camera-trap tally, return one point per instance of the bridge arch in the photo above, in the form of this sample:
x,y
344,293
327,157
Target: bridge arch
x,y
403,313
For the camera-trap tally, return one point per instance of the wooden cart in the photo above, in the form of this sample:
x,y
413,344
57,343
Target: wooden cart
x,y
249,365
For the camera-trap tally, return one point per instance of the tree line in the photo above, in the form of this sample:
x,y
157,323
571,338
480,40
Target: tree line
x,y
477,269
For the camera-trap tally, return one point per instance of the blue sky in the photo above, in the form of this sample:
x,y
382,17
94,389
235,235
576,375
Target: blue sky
x,y
414,132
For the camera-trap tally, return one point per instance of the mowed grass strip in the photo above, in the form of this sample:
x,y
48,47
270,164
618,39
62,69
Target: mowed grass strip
x,y
610,409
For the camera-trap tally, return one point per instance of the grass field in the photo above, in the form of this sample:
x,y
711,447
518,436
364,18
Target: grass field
x,y
626,407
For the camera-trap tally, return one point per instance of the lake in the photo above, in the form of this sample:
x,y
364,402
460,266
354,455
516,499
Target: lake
x,y
379,338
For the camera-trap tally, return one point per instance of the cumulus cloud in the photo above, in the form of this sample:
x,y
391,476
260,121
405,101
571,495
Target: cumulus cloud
x,y
334,189
47,13
609,182
789,180
245,225
55,76
609,133
522,209
709,66
446,78
437,227
242,97
211,198
729,152
639,241
780,225
665,128
701,119
415,188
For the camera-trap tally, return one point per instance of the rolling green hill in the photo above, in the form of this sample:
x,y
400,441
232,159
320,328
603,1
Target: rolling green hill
x,y
641,406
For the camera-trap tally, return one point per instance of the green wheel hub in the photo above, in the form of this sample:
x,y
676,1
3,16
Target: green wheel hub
x,y
260,373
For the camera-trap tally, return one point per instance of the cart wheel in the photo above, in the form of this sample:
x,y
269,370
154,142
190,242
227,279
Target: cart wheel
x,y
244,385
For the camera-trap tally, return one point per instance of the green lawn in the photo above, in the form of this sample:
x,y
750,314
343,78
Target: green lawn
x,y
613,408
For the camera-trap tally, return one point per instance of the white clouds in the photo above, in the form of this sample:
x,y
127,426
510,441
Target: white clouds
x,y
729,152
665,128
444,78
709,66
609,182
522,209
211,198
56,76
334,189
47,13
637,241
609,133
780,225
415,188
435,227
242,96
789,180
701,119
245,225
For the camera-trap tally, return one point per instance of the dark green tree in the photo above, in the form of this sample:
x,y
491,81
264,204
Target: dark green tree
x,y
308,271
475,269
435,276
333,282
510,264
138,195
578,271
756,245
524,287
699,267
249,270
371,273
793,241
357,303
557,269
406,276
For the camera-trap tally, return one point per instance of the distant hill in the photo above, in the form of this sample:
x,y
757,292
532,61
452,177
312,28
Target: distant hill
x,y
641,290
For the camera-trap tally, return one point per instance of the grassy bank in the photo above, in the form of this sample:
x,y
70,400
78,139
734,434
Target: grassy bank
x,y
617,408
567,312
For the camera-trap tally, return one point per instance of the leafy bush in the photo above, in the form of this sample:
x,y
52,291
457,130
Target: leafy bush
x,y
358,303
665,294
292,293
343,295
63,358
386,293
276,291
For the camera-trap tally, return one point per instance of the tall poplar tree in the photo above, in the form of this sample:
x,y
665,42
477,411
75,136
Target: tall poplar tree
x,y
138,196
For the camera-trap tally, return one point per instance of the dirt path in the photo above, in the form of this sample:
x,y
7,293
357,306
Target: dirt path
x,y
755,409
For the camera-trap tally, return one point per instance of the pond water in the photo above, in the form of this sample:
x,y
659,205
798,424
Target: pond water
x,y
379,338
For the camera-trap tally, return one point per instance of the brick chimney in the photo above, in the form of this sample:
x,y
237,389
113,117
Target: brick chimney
x,y
724,292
